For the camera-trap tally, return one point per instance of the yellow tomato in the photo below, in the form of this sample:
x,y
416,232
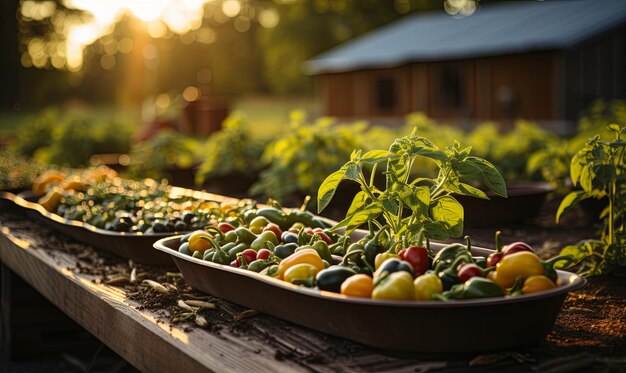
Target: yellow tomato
x,y
51,200
41,182
197,243
537,283
359,285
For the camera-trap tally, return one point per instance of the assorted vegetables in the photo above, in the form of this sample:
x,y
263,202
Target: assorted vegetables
x,y
97,196
391,260
302,256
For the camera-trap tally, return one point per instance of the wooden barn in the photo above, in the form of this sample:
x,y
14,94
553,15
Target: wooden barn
x,y
543,61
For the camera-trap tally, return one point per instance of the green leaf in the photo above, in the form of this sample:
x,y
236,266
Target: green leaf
x,y
613,127
328,187
581,251
449,211
466,190
570,201
375,156
434,230
586,178
606,173
355,155
353,170
575,167
415,198
357,202
390,205
481,169
359,217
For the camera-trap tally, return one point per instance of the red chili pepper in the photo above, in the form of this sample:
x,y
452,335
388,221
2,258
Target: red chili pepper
x,y
516,247
225,227
494,258
469,270
235,263
249,255
323,235
418,257
263,254
274,228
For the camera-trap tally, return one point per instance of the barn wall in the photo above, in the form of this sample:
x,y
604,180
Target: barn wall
x,y
491,88
595,69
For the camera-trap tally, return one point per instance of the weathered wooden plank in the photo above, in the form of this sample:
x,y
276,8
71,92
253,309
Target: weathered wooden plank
x,y
136,335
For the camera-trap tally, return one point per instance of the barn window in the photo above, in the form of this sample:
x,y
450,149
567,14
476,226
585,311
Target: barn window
x,y
451,87
386,94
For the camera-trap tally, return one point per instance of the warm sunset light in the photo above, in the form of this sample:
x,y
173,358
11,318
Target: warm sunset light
x,y
160,18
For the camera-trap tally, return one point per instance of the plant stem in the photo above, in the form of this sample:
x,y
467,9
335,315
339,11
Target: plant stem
x,y
367,189
435,193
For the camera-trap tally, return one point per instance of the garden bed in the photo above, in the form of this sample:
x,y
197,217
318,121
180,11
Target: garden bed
x,y
588,333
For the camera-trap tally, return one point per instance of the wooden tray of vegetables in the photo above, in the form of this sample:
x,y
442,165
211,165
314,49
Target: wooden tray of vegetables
x,y
120,216
387,286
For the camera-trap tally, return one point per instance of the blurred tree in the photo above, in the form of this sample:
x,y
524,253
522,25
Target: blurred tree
x,y
309,27
237,46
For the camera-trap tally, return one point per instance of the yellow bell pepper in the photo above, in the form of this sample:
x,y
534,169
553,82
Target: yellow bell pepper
x,y
426,285
380,258
301,274
309,256
395,286
522,265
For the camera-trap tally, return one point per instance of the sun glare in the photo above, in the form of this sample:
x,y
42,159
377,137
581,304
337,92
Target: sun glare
x,y
159,17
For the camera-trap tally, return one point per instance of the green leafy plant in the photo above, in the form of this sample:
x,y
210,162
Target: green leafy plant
x,y
300,160
417,208
71,140
552,164
599,169
167,150
230,150
17,172
35,133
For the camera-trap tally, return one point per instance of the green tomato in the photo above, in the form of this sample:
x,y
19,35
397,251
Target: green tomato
x,y
257,224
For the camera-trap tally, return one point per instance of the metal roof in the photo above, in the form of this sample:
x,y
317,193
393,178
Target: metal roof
x,y
501,28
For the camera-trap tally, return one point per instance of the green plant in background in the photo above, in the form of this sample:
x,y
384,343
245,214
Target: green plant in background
x,y
17,172
76,140
595,119
552,165
599,169
512,150
70,140
165,151
230,151
413,208
299,160
36,133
